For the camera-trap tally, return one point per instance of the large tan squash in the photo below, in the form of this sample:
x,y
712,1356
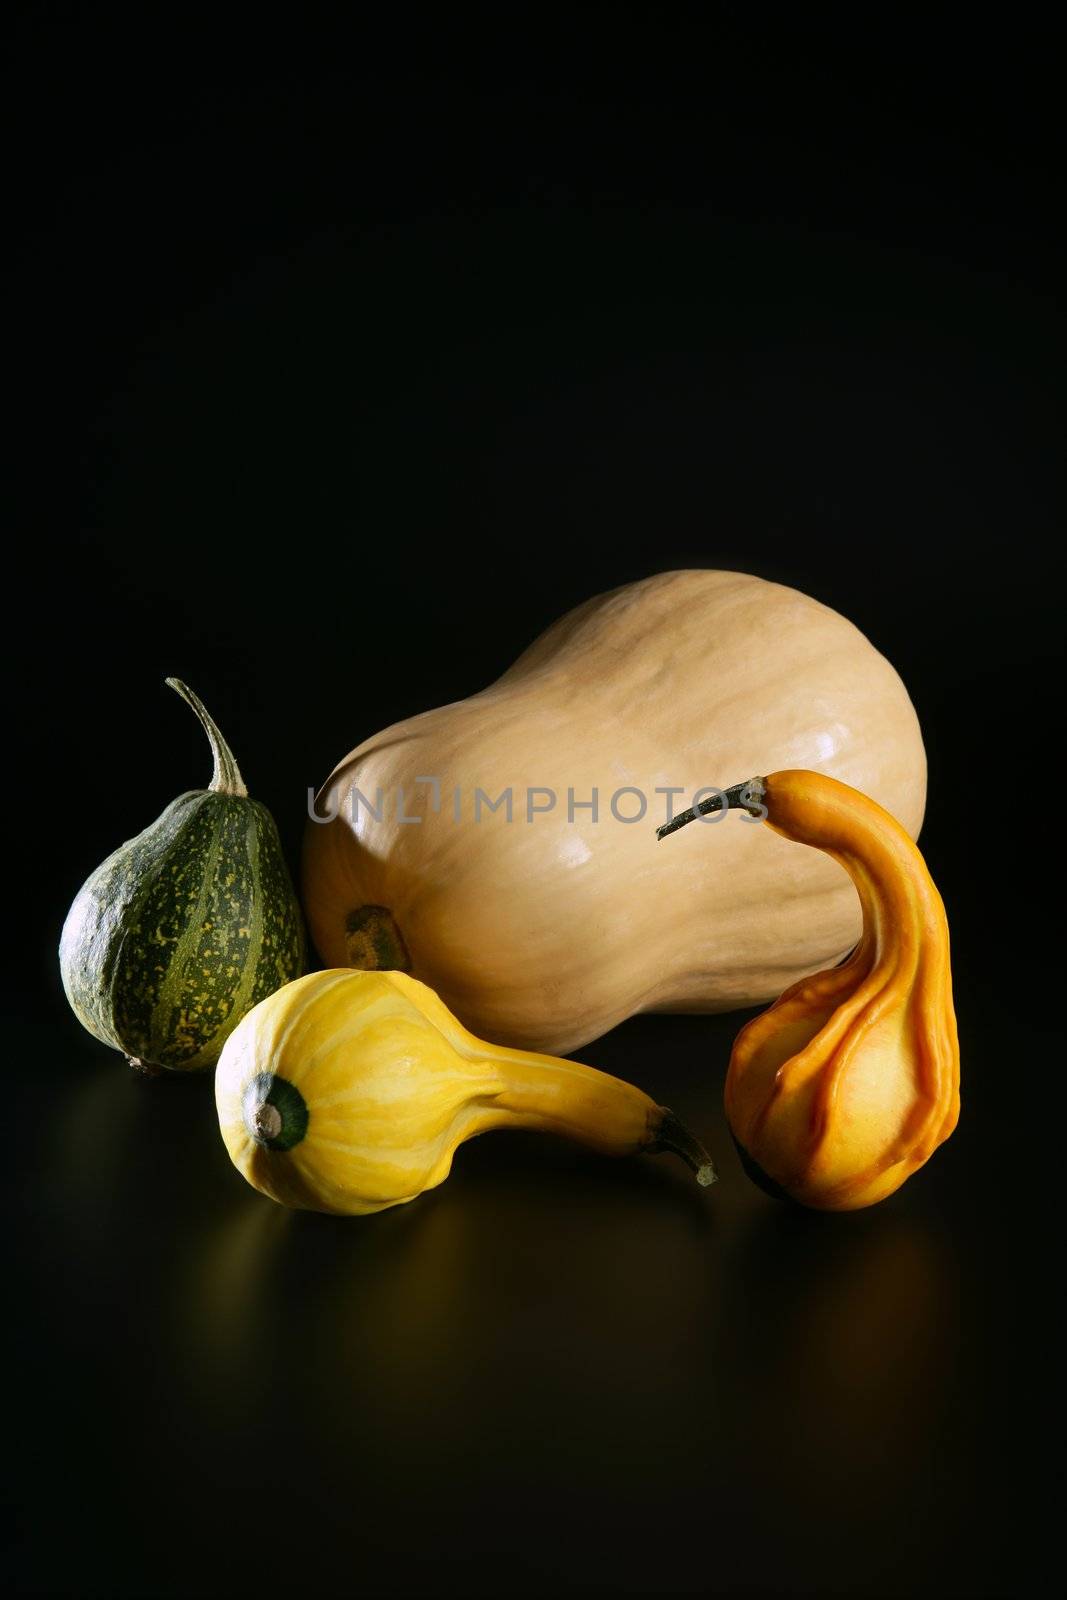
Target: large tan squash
x,y
544,933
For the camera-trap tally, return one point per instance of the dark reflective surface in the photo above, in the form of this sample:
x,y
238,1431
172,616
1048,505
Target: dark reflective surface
x,y
344,379
555,1369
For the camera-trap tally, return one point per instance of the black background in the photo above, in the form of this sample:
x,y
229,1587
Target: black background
x,y
342,366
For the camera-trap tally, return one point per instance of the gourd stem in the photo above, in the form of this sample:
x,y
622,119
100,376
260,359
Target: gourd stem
x,y
739,797
674,1135
226,778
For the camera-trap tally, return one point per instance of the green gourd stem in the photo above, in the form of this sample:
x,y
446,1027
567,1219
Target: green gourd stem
x,y
226,778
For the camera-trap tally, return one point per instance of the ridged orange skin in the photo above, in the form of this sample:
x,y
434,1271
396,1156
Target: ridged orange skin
x,y
545,934
850,1081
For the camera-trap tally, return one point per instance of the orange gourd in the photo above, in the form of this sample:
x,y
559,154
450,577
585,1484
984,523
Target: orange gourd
x,y
848,1083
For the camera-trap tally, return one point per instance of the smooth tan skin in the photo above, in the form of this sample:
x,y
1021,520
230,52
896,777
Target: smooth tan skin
x,y
545,934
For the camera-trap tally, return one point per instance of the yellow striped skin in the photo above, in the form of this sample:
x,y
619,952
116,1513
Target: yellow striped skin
x,y
850,1081
393,1084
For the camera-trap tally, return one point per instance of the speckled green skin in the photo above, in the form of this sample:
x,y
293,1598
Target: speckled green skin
x,y
182,931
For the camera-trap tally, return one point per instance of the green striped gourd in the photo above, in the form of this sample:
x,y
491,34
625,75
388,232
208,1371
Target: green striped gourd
x,y
187,926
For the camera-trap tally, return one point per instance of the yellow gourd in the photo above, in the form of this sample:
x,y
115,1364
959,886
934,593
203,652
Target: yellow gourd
x,y
548,920
850,1081
349,1091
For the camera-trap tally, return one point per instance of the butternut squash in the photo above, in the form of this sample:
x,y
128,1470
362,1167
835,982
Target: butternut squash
x,y
546,923
349,1092
850,1081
